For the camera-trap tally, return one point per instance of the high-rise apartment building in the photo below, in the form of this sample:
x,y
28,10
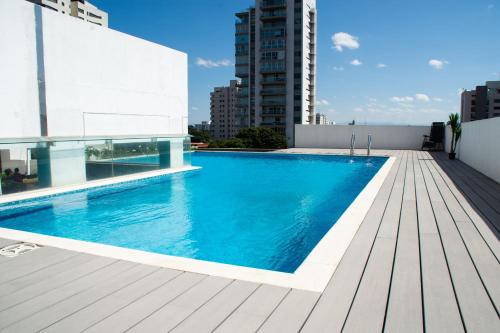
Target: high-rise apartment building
x,y
223,111
81,9
481,103
321,119
276,62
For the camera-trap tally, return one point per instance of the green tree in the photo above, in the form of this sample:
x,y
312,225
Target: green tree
x,y
198,136
261,137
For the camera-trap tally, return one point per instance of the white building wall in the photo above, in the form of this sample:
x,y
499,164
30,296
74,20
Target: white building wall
x,y
98,81
339,136
478,146
19,109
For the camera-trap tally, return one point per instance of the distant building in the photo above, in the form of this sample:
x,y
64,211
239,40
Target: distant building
x,y
321,119
86,11
204,126
481,103
275,46
223,111
81,9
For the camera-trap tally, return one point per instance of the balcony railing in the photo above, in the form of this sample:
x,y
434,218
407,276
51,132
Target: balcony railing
x,y
273,80
276,14
273,102
281,91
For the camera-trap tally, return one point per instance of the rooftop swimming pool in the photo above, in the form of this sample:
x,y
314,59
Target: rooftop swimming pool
x,y
256,210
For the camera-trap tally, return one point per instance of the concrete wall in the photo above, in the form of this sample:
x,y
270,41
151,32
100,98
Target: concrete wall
x,y
97,80
478,146
339,136
18,70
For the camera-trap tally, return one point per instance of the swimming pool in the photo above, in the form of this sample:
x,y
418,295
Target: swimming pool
x,y
264,211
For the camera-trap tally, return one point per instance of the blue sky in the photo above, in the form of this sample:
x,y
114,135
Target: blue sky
x,y
394,61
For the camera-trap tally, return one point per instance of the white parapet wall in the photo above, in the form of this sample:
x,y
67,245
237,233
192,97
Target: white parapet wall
x,y
339,136
479,146
96,81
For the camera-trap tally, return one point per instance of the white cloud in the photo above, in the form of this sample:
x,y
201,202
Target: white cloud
x,y
381,66
422,98
335,68
194,108
343,39
321,102
207,63
398,99
437,64
356,62
437,99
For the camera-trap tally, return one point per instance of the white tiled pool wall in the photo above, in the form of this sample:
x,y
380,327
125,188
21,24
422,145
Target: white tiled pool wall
x,y
313,274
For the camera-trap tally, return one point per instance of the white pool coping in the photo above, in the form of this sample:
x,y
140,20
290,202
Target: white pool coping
x,y
313,274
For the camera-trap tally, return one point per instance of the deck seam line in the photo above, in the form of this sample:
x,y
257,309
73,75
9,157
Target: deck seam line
x,y
101,298
203,304
274,310
237,307
396,244
137,298
62,285
436,165
165,304
59,301
415,163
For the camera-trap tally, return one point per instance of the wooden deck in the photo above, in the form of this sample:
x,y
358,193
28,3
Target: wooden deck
x,y
426,258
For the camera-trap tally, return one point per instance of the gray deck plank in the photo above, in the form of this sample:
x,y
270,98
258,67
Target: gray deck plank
x,y
441,310
369,307
480,203
31,262
485,187
484,260
332,308
477,311
489,234
291,313
211,314
404,309
142,308
43,274
254,311
20,295
64,308
23,310
104,307
173,313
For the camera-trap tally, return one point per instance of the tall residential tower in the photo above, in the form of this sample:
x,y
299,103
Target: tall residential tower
x,y
481,103
222,111
276,62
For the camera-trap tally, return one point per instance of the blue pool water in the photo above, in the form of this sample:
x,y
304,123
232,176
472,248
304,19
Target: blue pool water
x,y
257,210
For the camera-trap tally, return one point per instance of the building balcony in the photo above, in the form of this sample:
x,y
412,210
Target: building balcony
x,y
277,102
274,15
273,123
273,80
271,4
278,91
269,113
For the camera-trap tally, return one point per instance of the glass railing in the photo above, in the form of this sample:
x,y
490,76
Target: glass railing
x,y
30,164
